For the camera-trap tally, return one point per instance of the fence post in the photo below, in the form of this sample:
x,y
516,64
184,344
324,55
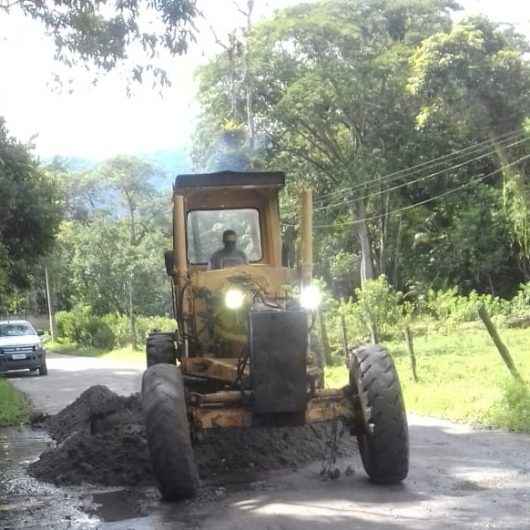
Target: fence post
x,y
49,300
501,347
410,344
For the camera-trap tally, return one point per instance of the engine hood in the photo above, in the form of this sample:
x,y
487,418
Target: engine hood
x,y
23,340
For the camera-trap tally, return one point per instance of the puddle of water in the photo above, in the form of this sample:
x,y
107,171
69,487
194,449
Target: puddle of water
x,y
19,447
27,503
114,506
30,504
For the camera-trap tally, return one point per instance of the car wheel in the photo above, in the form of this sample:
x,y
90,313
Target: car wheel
x,y
43,369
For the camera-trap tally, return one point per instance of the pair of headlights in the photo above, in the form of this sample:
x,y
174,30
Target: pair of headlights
x,y
309,298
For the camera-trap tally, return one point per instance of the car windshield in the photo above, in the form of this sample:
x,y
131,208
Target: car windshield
x,y
16,330
206,227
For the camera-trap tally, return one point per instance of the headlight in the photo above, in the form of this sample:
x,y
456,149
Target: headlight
x,y
234,298
310,297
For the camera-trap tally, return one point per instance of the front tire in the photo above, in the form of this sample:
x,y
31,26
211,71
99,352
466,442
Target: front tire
x,y
383,443
168,432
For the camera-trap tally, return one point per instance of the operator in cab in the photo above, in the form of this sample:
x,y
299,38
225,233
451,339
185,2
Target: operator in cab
x,y
229,255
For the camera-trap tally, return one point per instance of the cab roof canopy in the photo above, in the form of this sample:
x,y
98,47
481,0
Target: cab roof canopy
x,y
225,179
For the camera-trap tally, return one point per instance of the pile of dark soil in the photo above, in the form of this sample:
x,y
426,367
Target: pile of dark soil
x,y
100,439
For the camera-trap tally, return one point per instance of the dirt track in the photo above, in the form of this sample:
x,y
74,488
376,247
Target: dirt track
x,y
459,478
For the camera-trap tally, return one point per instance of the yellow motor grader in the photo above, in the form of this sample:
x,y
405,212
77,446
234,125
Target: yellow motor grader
x,y
240,356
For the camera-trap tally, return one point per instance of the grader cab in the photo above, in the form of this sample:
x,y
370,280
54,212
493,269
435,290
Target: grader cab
x,y
240,356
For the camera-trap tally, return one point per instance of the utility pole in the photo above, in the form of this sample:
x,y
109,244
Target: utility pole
x,y
49,300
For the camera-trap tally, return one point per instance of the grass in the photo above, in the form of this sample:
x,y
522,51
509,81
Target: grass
x,y
125,354
462,377
15,408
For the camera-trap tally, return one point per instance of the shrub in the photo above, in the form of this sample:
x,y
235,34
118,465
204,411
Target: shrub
x,y
377,307
108,331
65,323
513,410
453,308
374,315
102,336
520,304
119,325
78,325
144,325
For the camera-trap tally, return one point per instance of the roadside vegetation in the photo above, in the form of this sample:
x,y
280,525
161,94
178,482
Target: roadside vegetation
x,y
461,375
80,332
125,354
14,408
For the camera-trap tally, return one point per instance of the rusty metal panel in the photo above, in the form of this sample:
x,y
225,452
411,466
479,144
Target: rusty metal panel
x,y
239,416
218,369
328,409
278,348
225,417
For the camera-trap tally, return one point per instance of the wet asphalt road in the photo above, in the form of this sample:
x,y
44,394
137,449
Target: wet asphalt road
x,y
69,376
460,478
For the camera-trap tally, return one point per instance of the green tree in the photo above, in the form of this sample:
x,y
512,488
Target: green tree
x,y
329,96
333,106
98,265
109,253
130,178
464,241
30,212
105,33
478,73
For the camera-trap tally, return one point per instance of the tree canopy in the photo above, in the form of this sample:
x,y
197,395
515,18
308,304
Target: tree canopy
x,y
30,211
105,33
348,95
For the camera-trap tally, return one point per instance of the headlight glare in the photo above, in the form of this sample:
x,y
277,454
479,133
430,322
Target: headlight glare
x,y
310,297
234,298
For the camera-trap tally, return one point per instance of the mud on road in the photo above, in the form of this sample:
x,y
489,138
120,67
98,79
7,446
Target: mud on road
x,y
100,439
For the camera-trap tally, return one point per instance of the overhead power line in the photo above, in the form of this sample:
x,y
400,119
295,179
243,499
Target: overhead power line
x,y
421,203
346,202
426,201
507,137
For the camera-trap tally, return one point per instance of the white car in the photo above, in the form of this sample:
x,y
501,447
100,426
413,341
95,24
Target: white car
x,y
21,347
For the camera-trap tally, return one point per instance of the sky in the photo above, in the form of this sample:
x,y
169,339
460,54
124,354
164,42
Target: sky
x,y
96,122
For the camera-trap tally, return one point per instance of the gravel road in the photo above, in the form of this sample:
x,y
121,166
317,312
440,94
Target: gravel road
x,y
460,478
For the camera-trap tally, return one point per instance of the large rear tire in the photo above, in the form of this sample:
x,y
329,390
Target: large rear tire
x,y
160,349
384,442
168,432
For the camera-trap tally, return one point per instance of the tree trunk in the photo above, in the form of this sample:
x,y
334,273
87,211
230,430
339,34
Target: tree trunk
x,y
345,345
49,303
324,339
247,77
361,232
133,243
516,195
374,332
395,277
383,235
132,316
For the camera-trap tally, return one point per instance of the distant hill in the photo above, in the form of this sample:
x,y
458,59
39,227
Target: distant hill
x,y
171,162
